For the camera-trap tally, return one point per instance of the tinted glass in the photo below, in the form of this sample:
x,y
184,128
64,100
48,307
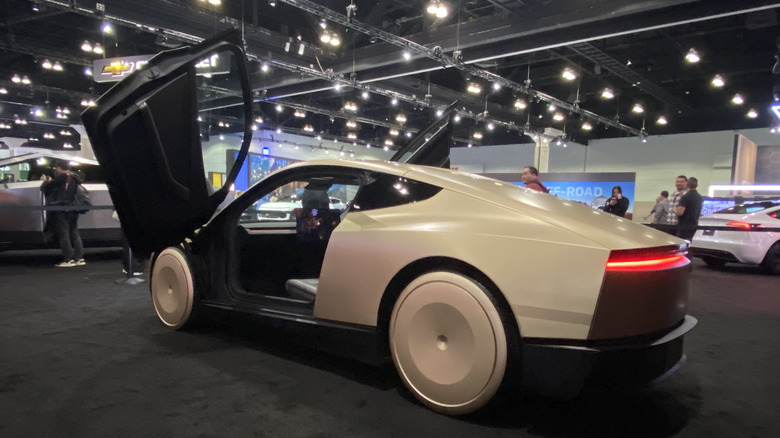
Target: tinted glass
x,y
382,191
221,116
749,208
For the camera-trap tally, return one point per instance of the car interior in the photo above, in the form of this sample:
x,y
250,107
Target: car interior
x,y
283,258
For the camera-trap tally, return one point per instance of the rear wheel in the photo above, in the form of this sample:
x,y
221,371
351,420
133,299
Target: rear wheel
x,y
173,289
448,342
713,262
771,263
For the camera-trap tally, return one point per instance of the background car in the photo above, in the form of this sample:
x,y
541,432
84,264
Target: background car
x,y
283,209
745,233
23,211
466,283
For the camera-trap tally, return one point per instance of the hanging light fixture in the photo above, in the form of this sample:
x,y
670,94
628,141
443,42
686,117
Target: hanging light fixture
x,y
558,117
86,46
393,132
46,64
637,109
97,49
569,74
692,56
16,78
57,66
718,81
661,120
400,118
520,104
607,93
737,99
477,135
752,114
474,88
586,126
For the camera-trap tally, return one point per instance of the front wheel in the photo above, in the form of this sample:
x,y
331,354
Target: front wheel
x,y
771,263
448,342
173,289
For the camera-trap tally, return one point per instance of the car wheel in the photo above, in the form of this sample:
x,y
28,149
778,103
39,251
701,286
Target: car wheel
x,y
771,263
448,342
715,263
173,289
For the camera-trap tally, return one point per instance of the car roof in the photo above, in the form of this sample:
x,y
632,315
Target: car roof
x,y
54,156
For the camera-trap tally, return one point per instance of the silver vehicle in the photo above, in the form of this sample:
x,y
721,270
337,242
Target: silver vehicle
x,y
23,211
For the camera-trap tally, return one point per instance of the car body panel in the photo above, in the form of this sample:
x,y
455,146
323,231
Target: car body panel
x,y
748,247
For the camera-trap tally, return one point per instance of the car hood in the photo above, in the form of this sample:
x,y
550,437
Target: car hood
x,y
602,228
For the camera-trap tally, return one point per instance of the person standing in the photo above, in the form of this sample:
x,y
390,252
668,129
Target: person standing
x,y
660,212
531,179
617,204
689,210
60,191
680,183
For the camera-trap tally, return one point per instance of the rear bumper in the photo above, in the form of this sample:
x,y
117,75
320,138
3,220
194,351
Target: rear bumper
x,y
564,370
713,253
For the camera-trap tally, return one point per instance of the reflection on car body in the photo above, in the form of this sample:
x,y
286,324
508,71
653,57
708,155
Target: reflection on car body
x,y
420,266
23,211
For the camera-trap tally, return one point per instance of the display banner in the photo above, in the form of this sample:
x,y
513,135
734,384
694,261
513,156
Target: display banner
x,y
591,189
115,69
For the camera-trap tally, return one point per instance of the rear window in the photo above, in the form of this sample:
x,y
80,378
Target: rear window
x,y
749,208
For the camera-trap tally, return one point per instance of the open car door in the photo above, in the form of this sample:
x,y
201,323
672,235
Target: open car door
x,y
152,130
431,146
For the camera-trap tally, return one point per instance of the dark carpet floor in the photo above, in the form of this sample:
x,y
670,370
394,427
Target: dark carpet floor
x,y
82,356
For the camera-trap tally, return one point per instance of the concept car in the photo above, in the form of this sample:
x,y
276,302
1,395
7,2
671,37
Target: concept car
x,y
466,283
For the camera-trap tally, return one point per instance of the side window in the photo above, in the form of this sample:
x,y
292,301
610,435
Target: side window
x,y
382,191
327,194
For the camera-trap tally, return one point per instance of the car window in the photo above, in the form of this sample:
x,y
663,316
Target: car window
x,y
32,169
323,193
748,208
383,191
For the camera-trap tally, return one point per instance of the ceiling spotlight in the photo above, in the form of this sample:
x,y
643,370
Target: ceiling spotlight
x,y
57,66
221,137
394,102
520,104
259,120
364,95
496,86
407,56
628,62
323,24
97,49
490,126
46,64
607,93
26,80
279,108
351,135
254,127
337,87
264,66
558,117
661,120
16,79
351,124
439,113
587,126
400,118
456,118
86,46
437,8
477,135
3,90
87,71
308,128
568,74
351,106
752,114
335,41
551,107
272,3
718,81
299,114
474,88
469,145
278,130
107,28
737,99
637,109
692,56
325,37
389,142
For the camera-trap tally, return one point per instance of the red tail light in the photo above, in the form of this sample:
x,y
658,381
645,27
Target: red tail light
x,y
649,259
743,225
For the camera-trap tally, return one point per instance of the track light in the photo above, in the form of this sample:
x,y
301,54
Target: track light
x,y
474,88
718,81
393,132
637,109
400,118
661,120
752,114
586,126
407,56
57,66
46,64
607,93
520,104
737,99
437,8
477,135
568,74
692,56
86,46
558,117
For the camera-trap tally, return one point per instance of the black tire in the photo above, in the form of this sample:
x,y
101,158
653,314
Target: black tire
x,y
714,263
450,342
771,263
174,289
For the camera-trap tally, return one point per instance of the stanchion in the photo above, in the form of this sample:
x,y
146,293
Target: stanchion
x,y
131,278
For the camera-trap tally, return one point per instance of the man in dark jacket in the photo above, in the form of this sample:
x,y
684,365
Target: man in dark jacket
x,y
689,211
60,191
531,179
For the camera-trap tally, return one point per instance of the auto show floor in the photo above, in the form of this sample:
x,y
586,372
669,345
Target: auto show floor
x,y
82,356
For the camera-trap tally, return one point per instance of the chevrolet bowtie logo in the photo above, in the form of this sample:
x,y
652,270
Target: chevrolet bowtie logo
x,y
118,69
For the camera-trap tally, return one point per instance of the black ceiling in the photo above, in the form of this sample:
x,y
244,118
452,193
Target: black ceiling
x,y
635,48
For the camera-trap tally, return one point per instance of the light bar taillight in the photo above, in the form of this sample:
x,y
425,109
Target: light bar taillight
x,y
650,259
743,225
